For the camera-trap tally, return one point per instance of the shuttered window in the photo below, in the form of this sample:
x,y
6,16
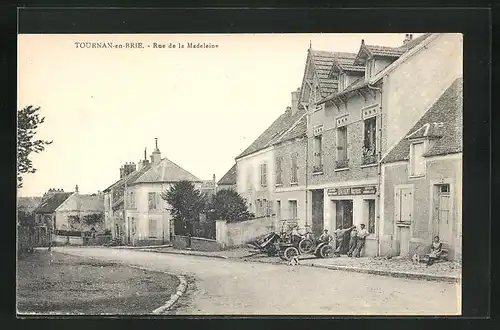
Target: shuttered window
x,y
263,174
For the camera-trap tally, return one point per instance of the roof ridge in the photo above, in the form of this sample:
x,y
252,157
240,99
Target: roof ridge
x,y
290,128
182,168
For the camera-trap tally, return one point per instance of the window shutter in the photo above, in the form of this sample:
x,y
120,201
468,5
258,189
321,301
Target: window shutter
x,y
398,206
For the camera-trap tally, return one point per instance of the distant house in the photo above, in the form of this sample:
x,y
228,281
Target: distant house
x,y
228,181
45,213
114,211
134,209
255,166
66,212
81,212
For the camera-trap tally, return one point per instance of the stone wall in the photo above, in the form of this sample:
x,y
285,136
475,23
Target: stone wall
x,y
240,233
205,244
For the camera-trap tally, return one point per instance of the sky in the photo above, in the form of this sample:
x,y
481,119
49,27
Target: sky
x,y
103,106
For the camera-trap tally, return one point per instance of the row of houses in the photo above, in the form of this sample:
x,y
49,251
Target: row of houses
x,y
134,210
58,214
372,137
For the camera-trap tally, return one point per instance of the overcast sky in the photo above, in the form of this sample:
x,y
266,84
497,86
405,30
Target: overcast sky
x,y
205,106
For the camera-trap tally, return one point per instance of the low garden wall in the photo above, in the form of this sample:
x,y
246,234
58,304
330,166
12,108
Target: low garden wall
x,y
205,244
180,242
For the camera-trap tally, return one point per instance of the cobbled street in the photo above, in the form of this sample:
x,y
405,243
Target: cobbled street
x,y
218,286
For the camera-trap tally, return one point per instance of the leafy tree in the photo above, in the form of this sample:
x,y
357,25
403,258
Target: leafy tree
x,y
230,206
25,218
186,205
28,120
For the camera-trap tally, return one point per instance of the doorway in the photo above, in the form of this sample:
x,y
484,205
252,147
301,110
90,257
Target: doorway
x,y
317,211
344,218
403,216
443,213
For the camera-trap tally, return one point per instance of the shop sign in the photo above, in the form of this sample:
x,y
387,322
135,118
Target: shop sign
x,y
367,190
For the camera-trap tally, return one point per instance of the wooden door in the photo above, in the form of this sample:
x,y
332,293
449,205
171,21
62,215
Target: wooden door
x,y
444,214
317,211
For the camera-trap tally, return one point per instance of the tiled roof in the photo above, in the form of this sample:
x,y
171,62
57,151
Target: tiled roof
x,y
357,84
53,202
128,179
165,171
323,62
385,51
91,203
394,52
28,204
297,130
229,177
414,42
443,122
273,132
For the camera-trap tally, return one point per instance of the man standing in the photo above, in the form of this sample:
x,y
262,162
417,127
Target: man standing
x,y
339,238
362,233
352,241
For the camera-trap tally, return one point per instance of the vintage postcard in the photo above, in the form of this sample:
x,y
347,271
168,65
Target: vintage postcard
x,y
240,174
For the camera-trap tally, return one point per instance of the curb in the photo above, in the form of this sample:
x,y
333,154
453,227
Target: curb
x,y
188,254
181,289
139,247
407,275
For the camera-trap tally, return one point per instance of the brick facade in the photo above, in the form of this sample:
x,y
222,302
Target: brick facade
x,y
439,170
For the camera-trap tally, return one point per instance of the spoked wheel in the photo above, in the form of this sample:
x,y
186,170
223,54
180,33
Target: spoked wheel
x,y
306,245
291,252
326,251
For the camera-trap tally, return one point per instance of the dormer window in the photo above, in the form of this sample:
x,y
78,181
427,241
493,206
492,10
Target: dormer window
x,y
370,68
417,160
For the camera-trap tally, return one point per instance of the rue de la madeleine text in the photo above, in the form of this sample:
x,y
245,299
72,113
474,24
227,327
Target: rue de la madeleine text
x,y
139,45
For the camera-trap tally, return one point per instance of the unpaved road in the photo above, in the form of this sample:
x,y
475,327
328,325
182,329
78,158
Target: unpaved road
x,y
237,287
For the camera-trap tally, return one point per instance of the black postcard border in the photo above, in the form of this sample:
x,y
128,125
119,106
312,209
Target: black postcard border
x,y
475,24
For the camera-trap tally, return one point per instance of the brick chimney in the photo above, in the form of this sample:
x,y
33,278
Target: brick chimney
x,y
156,155
51,192
143,162
126,169
408,37
295,101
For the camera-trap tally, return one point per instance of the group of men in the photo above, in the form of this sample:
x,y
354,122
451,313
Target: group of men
x,y
356,240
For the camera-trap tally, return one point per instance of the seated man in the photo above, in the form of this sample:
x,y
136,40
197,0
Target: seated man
x,y
325,237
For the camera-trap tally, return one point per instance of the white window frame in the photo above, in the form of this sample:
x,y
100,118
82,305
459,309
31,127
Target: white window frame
x,y
411,173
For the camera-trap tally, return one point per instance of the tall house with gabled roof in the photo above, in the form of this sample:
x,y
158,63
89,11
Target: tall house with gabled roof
x,y
138,214
381,93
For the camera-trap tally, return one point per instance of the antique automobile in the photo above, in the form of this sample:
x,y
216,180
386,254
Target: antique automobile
x,y
323,250
266,243
288,250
